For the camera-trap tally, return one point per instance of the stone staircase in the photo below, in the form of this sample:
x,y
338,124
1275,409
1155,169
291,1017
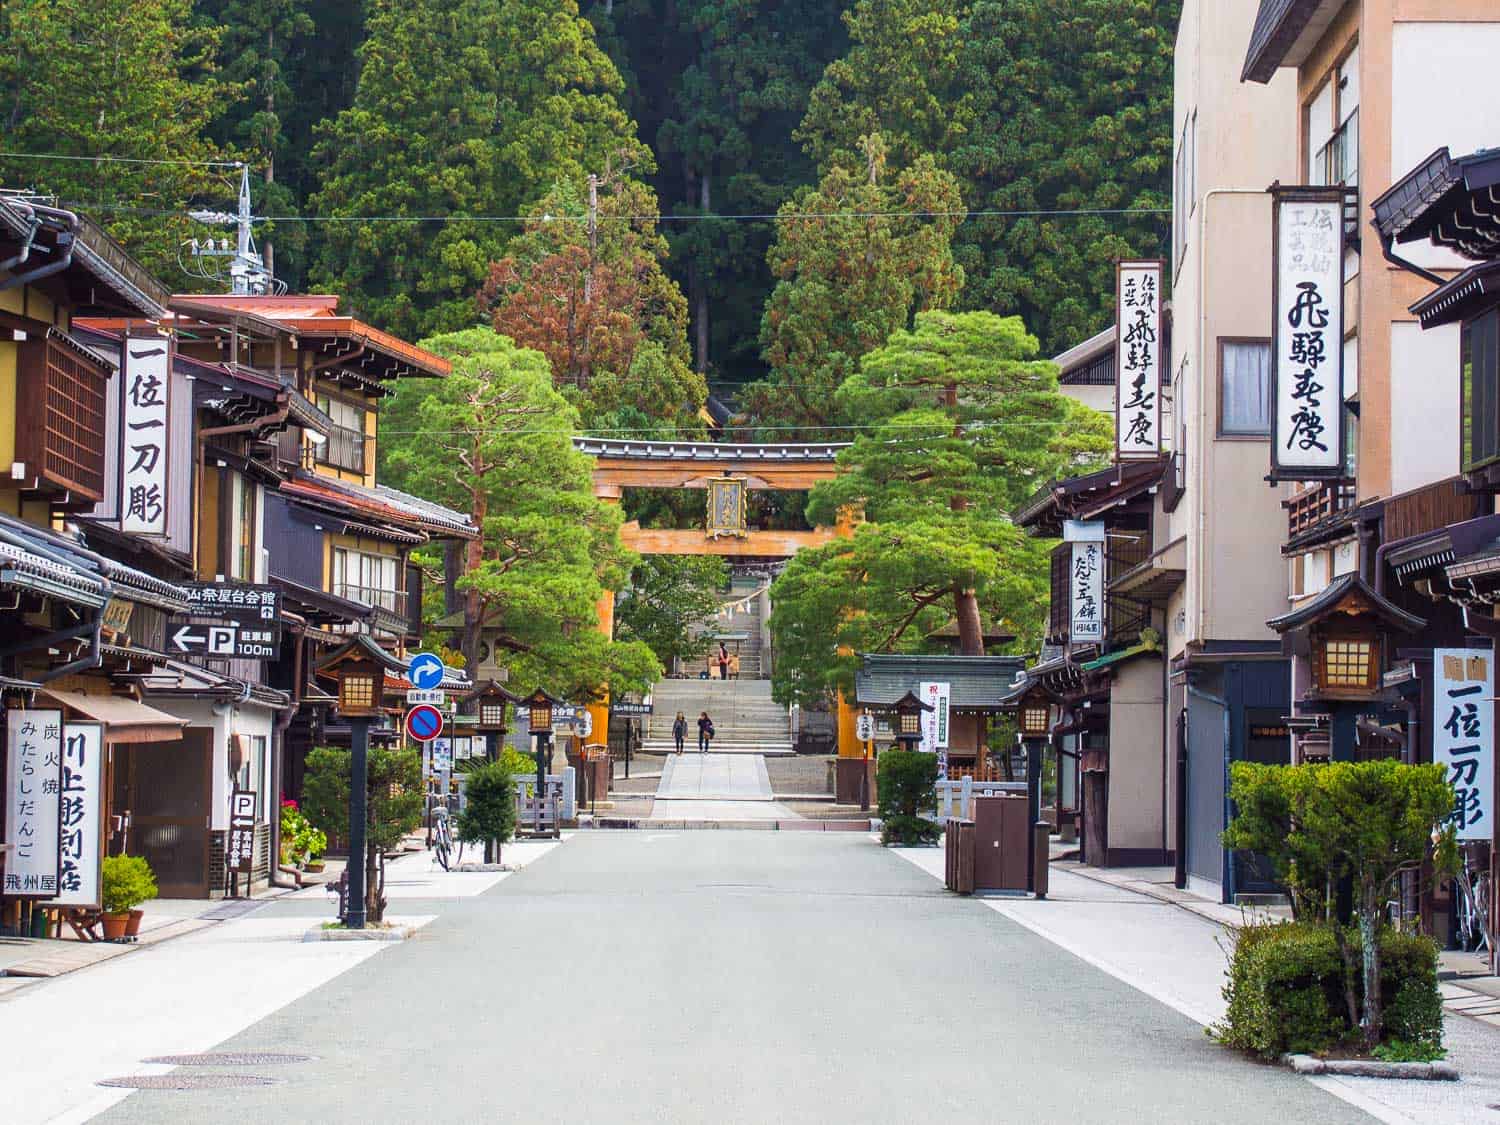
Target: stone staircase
x,y
746,719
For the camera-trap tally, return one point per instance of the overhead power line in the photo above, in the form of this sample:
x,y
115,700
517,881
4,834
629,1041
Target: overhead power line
x,y
122,160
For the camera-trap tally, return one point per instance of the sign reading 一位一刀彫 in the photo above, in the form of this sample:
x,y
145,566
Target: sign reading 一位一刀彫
x,y
1138,359
1307,350
144,381
1463,735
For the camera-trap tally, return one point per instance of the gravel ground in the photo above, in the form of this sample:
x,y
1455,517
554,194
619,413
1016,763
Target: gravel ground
x,y
802,774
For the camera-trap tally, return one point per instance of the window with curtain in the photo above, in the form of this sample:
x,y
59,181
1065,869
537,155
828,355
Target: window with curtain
x,y
243,547
1245,388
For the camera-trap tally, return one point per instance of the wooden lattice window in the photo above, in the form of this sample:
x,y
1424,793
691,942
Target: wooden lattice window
x,y
1346,662
60,417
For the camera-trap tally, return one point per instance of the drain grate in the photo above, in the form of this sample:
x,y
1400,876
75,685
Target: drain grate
x,y
230,1058
186,1081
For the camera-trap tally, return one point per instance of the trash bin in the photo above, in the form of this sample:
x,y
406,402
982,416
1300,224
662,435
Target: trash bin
x,y
1001,840
958,855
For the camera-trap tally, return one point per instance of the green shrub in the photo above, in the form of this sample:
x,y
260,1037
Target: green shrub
x,y
489,806
126,882
907,781
1285,991
300,841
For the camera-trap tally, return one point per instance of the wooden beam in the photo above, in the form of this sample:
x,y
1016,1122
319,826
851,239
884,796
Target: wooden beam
x,y
692,541
759,477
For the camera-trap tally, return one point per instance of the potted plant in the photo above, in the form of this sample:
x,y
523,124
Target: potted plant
x,y
127,882
302,845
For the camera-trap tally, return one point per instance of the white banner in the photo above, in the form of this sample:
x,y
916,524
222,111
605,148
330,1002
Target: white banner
x,y
1138,359
1086,594
81,834
1463,735
143,445
934,722
1308,353
33,777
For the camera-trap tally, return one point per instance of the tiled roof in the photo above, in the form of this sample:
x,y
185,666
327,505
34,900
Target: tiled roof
x,y
978,682
706,450
379,503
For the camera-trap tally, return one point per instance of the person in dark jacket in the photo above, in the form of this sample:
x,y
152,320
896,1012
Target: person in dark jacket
x,y
705,732
723,662
679,730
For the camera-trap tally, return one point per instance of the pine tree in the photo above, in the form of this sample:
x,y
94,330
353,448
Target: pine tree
x,y
463,108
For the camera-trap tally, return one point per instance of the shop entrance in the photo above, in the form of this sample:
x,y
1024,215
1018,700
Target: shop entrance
x,y
167,788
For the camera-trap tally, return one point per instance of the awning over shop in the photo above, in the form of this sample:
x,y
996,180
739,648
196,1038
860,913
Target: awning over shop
x,y
125,720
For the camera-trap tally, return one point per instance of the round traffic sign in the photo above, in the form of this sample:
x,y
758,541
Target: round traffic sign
x,y
424,722
425,671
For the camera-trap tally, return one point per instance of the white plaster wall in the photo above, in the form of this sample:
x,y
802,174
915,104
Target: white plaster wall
x,y
1434,68
1424,404
1100,398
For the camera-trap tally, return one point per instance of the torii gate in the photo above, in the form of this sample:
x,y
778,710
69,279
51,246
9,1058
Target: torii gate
x,y
727,472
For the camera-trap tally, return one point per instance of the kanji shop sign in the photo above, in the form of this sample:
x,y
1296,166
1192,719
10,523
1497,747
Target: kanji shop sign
x,y
1086,583
1463,735
143,444
1138,360
80,846
1307,351
237,620
33,784
239,845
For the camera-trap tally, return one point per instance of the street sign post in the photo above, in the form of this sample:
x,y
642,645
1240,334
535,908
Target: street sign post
x,y
424,722
423,695
228,620
425,671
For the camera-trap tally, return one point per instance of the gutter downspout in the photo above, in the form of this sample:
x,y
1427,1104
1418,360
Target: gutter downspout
x,y
1410,267
282,725
33,224
1382,550
66,240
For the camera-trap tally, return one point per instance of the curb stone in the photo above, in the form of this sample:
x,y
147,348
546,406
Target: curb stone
x,y
1372,1068
394,933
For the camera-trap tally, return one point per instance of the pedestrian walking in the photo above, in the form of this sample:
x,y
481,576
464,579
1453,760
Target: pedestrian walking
x,y
705,732
679,730
723,662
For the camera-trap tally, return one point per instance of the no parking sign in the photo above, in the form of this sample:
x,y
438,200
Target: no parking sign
x,y
424,722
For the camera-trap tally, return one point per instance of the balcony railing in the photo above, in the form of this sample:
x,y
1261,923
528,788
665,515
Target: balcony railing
x,y
1337,162
344,449
1312,506
373,596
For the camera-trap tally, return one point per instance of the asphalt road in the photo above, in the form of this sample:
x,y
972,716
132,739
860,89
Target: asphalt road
x,y
734,976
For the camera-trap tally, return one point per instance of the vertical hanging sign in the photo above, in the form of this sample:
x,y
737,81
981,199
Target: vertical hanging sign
x,y
143,444
1138,360
936,695
33,778
1307,351
1463,735
1086,583
80,848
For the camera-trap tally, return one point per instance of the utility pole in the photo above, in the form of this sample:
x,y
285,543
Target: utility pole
x,y
247,270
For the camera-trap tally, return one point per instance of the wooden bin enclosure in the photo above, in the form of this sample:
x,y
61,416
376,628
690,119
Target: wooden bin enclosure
x,y
958,855
1000,830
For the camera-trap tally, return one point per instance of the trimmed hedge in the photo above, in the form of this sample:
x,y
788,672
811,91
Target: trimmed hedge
x,y
907,784
1286,991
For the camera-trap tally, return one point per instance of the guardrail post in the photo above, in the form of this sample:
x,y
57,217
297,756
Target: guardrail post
x,y
1041,833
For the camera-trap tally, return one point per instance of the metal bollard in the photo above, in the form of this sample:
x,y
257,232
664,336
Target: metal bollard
x,y
1041,833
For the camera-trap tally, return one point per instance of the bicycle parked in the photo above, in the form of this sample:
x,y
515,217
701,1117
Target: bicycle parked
x,y
442,836
1472,895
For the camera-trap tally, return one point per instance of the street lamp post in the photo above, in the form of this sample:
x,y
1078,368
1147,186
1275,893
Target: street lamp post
x,y
540,705
909,720
1034,721
361,691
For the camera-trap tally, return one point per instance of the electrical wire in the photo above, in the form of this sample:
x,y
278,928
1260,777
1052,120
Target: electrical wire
x,y
123,160
599,432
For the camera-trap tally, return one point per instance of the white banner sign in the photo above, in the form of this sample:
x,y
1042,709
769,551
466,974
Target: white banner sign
x,y
1463,735
143,445
934,722
33,778
80,846
1308,352
1138,359
1086,593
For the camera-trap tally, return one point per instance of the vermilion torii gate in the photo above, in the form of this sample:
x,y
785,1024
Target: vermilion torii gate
x,y
727,473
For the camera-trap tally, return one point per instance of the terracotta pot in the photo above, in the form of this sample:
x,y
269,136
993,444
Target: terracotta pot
x,y
114,926
314,866
133,926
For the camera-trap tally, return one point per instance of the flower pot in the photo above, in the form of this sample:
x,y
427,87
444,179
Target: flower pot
x,y
314,866
133,926
114,926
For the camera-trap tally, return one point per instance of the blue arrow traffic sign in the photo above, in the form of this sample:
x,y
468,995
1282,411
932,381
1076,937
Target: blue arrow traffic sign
x,y
424,722
425,671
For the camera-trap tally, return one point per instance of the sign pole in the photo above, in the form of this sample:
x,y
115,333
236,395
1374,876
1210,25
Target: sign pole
x,y
359,779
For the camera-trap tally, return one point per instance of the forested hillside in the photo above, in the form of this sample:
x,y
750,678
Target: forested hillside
x,y
406,150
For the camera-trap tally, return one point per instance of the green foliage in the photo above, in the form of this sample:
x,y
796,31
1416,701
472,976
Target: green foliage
x,y
300,841
126,881
850,270
490,806
1364,822
907,783
1285,993
132,78
465,108
394,801
495,439
1034,107
669,596
961,422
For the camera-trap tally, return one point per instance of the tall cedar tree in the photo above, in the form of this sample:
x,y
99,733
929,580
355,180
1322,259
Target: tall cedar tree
x,y
463,108
960,422
851,269
602,309
718,86
1034,106
495,439
124,78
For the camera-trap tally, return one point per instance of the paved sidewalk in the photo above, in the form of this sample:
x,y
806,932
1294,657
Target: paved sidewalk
x,y
1175,951
715,777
